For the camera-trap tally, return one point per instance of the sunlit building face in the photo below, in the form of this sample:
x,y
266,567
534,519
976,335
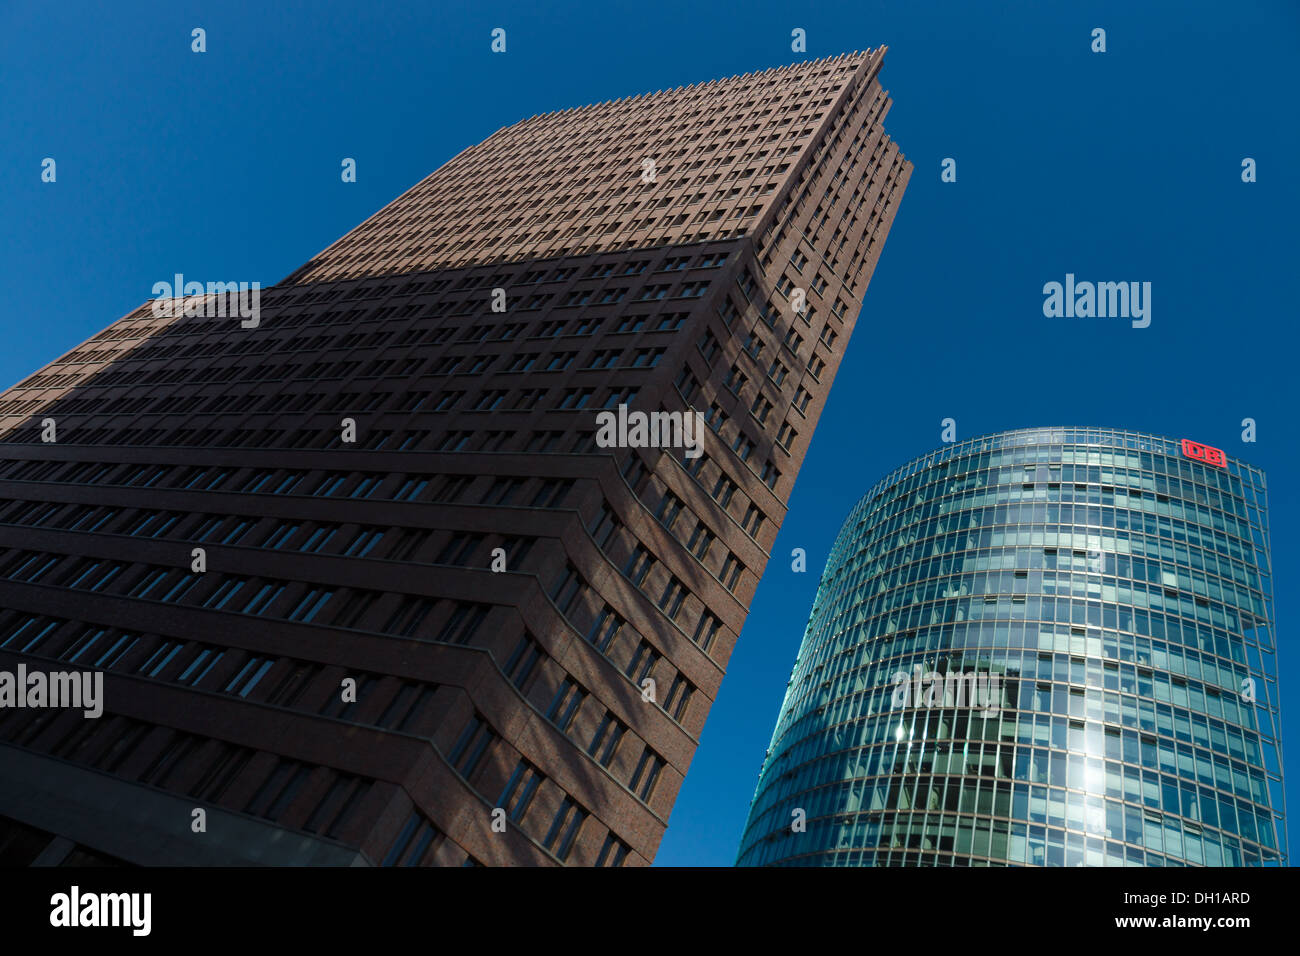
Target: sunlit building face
x,y
1109,596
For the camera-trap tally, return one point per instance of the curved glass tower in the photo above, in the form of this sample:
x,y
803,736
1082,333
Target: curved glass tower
x,y
1044,647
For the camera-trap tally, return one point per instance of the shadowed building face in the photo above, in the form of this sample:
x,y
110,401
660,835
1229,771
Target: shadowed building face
x,y
363,582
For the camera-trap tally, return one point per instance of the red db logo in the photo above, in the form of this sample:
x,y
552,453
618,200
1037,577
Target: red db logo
x,y
1211,456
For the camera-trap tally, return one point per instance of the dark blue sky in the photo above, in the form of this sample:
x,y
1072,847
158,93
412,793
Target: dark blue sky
x,y
1116,166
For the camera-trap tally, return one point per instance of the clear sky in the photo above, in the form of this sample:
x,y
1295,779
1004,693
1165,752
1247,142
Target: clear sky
x,y
1123,165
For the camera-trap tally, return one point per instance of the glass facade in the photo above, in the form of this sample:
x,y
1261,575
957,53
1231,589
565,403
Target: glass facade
x,y
1043,647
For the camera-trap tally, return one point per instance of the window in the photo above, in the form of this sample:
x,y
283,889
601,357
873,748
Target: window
x,y
575,398
408,615
412,842
318,538
116,651
565,704
264,598
411,488
471,745
605,741
620,396
567,590
173,755
565,828
604,630
517,549
678,697
723,489
646,774
247,678
501,491
706,631
674,594
279,789
643,663
458,549
222,773
366,486
603,525
219,598
160,658
550,493
700,541
639,564
687,385
647,358
519,791
336,806
463,622
406,706
32,632
280,534
199,666
329,484
613,853
709,347
523,660
364,542
82,644
309,604
559,361
730,573
669,508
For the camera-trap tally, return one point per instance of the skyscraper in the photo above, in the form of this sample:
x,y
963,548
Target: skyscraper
x,y
365,579
1107,597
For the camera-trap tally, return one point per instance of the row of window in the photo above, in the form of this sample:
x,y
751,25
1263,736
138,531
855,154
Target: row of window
x,y
607,631
199,767
559,832
1120,509
946,840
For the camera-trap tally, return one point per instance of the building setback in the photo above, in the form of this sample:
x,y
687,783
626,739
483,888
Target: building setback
x,y
429,594
1113,590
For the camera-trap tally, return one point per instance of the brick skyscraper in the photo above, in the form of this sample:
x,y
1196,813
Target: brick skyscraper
x,y
533,622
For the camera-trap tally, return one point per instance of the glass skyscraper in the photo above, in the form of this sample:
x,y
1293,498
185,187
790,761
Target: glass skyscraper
x,y
1043,647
